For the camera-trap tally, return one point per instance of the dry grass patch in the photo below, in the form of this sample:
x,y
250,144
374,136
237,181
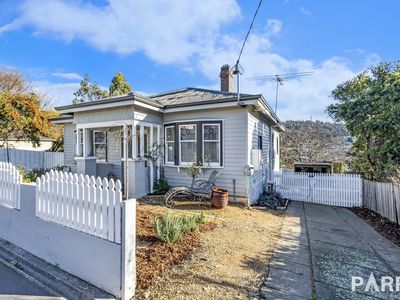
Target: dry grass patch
x,y
228,262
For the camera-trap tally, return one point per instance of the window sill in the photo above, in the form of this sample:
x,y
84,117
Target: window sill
x,y
187,166
132,159
84,157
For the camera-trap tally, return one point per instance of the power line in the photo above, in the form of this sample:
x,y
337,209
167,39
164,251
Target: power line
x,y
248,32
238,69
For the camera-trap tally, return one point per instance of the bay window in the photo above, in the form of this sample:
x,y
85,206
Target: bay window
x,y
100,145
194,142
188,143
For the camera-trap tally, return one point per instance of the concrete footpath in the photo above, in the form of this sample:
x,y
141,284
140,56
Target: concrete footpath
x,y
16,286
321,248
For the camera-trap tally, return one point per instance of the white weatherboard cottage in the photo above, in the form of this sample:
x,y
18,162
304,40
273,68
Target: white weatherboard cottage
x,y
189,124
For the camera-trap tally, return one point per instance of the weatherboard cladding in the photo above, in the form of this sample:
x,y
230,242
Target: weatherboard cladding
x,y
234,148
69,146
258,127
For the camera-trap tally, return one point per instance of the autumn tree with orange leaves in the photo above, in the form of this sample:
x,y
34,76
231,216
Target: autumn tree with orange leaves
x,y
21,111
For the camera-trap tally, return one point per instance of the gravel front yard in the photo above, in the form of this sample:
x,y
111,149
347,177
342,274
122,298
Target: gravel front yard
x,y
230,261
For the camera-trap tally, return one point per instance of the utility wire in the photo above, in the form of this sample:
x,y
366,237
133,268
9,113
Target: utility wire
x,y
248,32
237,70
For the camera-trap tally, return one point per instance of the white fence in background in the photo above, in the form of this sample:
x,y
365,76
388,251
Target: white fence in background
x,y
10,185
33,159
332,189
84,203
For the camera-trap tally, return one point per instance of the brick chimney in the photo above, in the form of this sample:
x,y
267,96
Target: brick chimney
x,y
226,79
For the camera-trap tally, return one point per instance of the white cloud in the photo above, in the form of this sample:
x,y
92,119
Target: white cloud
x,y
304,11
11,26
298,99
166,30
57,93
69,76
274,26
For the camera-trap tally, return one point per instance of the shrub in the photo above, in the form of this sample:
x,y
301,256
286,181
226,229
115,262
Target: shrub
x,y
201,218
161,186
170,229
30,175
189,223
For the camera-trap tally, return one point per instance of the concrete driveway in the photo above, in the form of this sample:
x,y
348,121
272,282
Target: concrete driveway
x,y
321,248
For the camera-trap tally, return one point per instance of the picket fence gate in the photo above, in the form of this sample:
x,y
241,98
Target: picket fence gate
x,y
88,204
33,159
10,185
324,188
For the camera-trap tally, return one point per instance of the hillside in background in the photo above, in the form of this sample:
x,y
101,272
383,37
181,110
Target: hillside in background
x,y
314,141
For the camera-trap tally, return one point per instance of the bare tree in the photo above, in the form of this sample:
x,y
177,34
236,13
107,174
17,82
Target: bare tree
x,y
13,82
308,141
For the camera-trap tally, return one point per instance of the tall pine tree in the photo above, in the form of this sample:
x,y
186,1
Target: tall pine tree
x,y
119,85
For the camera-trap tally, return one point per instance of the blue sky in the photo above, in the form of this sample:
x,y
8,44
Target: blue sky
x,y
162,45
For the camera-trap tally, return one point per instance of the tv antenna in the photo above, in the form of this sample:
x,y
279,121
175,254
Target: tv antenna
x,y
279,79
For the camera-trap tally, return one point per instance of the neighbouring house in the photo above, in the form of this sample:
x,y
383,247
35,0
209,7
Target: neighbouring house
x,y
314,167
239,138
18,141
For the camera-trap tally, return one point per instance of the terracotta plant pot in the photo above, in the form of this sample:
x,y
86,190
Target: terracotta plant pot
x,y
219,198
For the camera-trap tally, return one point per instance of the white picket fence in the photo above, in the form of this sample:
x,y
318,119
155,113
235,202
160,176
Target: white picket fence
x,y
332,189
33,159
10,185
84,203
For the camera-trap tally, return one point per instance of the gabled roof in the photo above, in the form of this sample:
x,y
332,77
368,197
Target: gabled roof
x,y
193,95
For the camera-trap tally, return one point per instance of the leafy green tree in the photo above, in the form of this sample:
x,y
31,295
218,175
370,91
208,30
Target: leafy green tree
x,y
369,106
88,91
119,85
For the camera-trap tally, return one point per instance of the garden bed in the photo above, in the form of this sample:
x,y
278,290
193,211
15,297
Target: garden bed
x,y
153,256
226,259
384,226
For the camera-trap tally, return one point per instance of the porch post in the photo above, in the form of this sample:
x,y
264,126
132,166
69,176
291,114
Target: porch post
x,y
77,141
84,133
158,145
151,162
125,151
134,141
125,138
141,141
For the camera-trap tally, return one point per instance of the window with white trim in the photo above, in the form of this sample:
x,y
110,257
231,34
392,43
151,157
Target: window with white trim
x,y
211,144
187,143
194,142
79,146
170,144
100,144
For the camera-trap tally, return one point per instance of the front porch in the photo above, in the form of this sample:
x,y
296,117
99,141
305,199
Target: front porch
x,y
121,150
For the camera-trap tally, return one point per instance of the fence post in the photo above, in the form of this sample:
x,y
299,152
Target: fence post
x,y
396,216
128,248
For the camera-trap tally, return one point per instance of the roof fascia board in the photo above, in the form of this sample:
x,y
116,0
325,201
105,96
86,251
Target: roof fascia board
x,y
62,121
202,106
71,109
